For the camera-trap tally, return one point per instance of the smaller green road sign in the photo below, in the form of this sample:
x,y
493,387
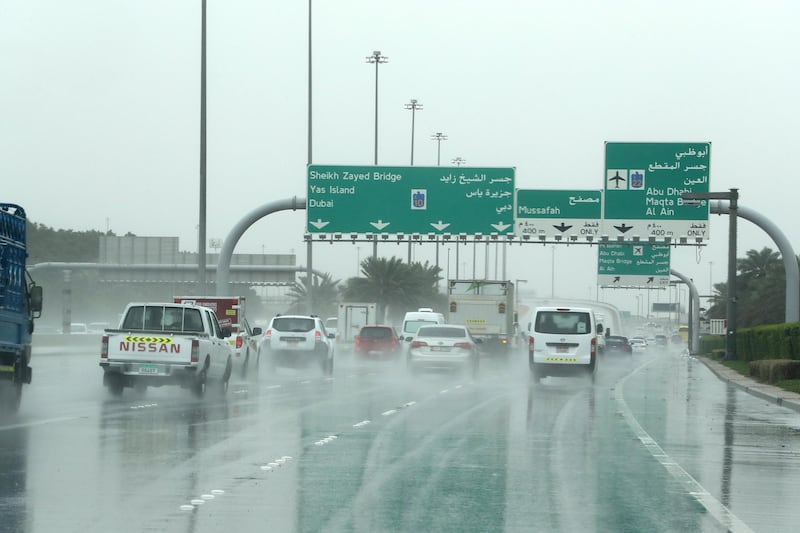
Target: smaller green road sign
x,y
558,214
643,187
424,200
633,265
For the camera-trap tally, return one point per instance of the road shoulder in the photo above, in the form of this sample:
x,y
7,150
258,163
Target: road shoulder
x,y
765,391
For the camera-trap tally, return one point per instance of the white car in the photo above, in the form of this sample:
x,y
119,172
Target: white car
x,y
563,342
443,346
296,341
638,344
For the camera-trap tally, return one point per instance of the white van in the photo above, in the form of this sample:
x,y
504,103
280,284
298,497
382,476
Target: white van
x,y
562,342
414,319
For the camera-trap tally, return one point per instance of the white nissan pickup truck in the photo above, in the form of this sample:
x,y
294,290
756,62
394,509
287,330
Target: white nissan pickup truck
x,y
166,344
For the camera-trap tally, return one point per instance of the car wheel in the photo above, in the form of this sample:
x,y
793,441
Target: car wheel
x,y
246,363
114,384
536,372
226,377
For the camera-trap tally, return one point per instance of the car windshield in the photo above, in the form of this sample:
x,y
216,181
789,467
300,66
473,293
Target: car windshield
x,y
411,326
293,324
442,332
562,322
376,333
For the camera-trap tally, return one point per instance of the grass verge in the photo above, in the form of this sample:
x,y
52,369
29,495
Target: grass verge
x,y
743,367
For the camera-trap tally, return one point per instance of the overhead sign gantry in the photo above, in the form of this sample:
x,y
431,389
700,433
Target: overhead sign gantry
x,y
643,187
568,215
367,200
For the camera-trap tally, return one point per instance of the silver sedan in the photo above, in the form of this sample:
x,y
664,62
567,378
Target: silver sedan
x,y
443,346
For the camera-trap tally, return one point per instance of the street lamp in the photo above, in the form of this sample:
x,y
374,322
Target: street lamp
x,y
439,137
376,58
413,106
458,161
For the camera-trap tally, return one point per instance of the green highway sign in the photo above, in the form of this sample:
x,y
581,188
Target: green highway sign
x,y
643,187
547,214
439,200
633,265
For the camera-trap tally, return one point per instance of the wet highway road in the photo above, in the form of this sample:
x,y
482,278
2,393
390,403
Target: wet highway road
x,y
657,444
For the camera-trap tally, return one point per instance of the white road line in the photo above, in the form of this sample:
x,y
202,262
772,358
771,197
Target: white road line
x,y
274,387
361,424
720,512
389,412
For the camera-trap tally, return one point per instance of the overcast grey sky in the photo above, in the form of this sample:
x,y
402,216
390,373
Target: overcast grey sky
x,y
100,109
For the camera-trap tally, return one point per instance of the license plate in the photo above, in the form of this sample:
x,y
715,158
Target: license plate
x,y
562,349
440,348
148,369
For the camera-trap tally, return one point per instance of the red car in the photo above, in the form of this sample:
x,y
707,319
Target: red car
x,y
377,341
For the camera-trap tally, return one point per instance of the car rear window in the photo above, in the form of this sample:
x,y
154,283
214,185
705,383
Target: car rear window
x,y
442,331
376,333
296,324
562,322
411,326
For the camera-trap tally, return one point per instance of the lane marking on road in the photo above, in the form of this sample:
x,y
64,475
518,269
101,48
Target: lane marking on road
x,y
326,440
445,391
305,382
274,387
720,512
389,412
41,422
144,406
361,424
409,404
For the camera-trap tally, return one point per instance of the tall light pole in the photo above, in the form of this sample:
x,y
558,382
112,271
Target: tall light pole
x,y
458,161
414,106
201,233
439,137
376,58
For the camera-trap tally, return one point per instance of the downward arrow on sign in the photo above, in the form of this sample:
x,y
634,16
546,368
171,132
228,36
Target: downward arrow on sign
x,y
562,228
623,228
379,225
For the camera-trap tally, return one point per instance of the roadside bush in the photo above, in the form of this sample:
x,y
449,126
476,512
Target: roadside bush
x,y
774,370
710,343
775,341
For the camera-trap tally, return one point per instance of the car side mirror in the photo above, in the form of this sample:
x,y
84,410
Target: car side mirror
x,y
256,331
36,300
478,341
226,332
331,335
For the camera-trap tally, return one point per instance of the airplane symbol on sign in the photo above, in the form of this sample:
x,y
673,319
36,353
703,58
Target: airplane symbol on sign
x,y
616,179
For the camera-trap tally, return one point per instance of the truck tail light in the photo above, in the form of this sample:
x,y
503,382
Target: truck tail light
x,y
239,341
418,344
104,347
195,351
318,337
594,347
530,344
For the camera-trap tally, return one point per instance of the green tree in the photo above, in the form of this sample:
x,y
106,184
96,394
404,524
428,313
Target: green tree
x,y
324,294
395,286
760,290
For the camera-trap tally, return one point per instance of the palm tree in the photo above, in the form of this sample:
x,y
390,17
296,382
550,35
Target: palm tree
x,y
325,295
394,286
759,264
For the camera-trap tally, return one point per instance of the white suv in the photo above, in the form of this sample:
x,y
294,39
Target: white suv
x,y
563,342
297,340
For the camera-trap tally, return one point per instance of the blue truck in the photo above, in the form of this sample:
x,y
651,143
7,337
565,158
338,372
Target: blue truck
x,y
20,304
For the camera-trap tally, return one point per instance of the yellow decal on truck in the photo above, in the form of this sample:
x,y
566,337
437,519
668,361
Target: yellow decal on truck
x,y
148,344
561,359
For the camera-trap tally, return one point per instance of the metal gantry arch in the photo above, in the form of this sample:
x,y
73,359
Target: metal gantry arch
x,y
229,244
